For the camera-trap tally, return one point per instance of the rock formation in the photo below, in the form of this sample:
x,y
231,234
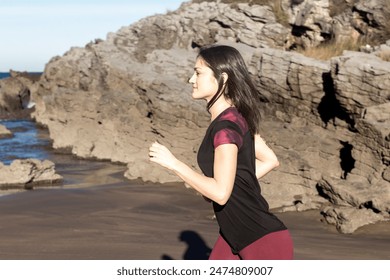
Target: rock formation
x,y
28,173
328,121
336,146
314,22
4,132
15,94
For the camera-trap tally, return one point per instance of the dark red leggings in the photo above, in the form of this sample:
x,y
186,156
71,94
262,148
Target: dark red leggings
x,y
273,246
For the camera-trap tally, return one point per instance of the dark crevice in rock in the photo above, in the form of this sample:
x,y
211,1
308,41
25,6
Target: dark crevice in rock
x,y
347,162
329,107
366,17
220,23
370,205
322,193
295,2
299,31
195,45
155,131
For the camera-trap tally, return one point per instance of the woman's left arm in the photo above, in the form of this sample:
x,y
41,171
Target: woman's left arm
x,y
217,188
266,159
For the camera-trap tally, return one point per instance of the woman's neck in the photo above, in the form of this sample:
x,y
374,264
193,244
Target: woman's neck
x,y
221,105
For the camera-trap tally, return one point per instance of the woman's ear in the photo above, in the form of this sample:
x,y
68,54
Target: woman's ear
x,y
224,77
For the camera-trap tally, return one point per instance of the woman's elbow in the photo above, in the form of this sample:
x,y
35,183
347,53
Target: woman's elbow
x,y
276,163
222,199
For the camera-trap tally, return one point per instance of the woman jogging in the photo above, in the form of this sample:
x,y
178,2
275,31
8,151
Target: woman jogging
x,y
232,158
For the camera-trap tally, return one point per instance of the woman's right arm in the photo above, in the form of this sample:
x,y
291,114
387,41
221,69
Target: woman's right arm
x,y
217,188
266,159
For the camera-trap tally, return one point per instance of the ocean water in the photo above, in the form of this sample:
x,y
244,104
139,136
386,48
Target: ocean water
x,y
4,75
28,141
32,141
7,74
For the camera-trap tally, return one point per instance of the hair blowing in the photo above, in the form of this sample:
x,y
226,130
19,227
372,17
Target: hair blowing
x,y
239,87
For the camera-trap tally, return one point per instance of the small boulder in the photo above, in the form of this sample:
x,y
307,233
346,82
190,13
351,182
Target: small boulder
x,y
4,132
27,173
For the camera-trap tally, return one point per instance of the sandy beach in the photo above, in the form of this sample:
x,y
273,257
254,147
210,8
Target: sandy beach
x,y
98,214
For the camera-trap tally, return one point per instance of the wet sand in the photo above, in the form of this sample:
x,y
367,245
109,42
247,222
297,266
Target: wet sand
x,y
98,214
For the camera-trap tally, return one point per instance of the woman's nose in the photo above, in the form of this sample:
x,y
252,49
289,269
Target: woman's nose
x,y
191,80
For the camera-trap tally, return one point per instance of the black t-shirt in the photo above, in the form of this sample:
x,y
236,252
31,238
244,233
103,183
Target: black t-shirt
x,y
246,216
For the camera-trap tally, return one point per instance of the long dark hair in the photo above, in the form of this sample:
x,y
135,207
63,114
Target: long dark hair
x,y
239,87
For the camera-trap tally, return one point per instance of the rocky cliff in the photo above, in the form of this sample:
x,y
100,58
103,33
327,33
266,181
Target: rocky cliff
x,y
328,121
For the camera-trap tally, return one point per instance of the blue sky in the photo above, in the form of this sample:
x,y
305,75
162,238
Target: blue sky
x,y
33,31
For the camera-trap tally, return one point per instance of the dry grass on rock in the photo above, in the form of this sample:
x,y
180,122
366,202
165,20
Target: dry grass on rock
x,y
330,49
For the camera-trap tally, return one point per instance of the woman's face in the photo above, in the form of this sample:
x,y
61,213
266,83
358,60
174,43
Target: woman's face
x,y
204,84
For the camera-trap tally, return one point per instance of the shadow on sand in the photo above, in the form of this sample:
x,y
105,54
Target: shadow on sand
x,y
197,248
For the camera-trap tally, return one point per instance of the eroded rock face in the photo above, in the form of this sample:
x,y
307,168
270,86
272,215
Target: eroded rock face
x,y
113,98
361,81
9,97
314,22
15,94
336,126
311,22
28,173
372,18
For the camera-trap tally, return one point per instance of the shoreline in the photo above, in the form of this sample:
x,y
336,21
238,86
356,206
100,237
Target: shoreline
x,y
99,214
